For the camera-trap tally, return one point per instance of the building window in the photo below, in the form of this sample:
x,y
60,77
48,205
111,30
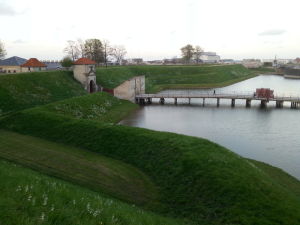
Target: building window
x,y
8,71
28,68
15,71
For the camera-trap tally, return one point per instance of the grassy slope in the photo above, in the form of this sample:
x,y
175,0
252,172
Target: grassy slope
x,y
79,166
198,179
163,77
21,91
99,106
27,198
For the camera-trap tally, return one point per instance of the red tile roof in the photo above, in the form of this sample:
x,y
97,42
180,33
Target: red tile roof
x,y
84,61
33,62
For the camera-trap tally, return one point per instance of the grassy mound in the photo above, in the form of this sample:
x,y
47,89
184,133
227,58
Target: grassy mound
x,y
26,90
198,180
99,106
27,198
82,167
164,77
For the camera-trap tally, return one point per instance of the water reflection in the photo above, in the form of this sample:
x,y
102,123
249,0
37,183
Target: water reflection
x,y
269,135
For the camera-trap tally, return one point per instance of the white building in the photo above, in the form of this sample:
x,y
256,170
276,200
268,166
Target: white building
x,y
209,57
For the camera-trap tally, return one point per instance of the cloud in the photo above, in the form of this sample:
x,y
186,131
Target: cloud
x,y
272,32
6,10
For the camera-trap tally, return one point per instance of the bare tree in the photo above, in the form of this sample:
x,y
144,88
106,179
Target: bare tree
x,y
107,51
187,53
2,50
72,50
80,47
197,53
118,52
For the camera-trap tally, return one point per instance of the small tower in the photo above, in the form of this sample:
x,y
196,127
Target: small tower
x,y
84,72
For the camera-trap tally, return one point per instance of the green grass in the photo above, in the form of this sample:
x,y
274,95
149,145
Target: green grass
x,y
79,166
26,90
99,106
28,197
164,77
197,180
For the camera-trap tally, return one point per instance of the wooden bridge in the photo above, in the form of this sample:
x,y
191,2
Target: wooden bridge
x,y
279,100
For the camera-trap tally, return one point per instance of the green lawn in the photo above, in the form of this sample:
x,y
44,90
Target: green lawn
x,y
79,166
197,179
164,77
28,198
26,90
99,106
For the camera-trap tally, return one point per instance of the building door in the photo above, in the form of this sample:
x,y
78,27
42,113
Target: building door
x,y
92,87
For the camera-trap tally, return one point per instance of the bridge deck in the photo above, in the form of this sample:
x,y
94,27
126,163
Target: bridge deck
x,y
218,96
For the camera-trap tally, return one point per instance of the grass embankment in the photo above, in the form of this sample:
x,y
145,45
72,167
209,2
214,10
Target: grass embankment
x,y
28,197
166,77
197,179
26,90
99,106
79,166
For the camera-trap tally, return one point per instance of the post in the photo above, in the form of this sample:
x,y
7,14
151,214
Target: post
x,y
218,102
203,102
248,103
189,100
279,104
162,101
232,102
263,103
175,101
149,100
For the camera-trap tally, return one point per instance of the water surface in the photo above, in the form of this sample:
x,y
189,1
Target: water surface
x,y
270,135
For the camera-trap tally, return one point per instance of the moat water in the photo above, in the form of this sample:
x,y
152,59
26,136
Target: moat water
x,y
271,135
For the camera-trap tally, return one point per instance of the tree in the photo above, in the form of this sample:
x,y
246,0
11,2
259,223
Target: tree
x,y
107,51
2,50
118,52
197,53
72,50
187,53
66,62
93,49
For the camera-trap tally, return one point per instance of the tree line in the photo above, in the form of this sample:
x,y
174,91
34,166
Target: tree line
x,y
99,51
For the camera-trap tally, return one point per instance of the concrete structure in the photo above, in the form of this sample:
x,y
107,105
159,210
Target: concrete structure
x,y
84,72
130,88
252,63
209,57
33,65
11,65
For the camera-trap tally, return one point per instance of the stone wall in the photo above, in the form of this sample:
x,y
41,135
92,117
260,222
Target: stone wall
x,y
10,69
130,88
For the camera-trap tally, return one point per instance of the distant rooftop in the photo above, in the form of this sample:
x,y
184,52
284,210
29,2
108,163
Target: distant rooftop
x,y
84,61
33,62
12,61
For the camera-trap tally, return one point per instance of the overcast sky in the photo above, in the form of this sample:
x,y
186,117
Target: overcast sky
x,y
153,29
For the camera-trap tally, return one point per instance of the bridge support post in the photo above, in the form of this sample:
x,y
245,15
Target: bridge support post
x,y
218,102
136,100
248,103
175,101
279,104
294,105
142,101
189,100
263,103
162,101
232,102
203,102
149,100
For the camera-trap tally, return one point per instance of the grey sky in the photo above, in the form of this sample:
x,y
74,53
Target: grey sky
x,y
153,29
